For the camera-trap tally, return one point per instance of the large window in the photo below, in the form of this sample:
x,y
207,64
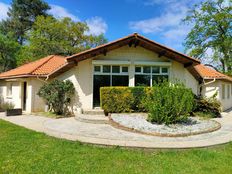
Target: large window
x,y
108,75
117,75
148,75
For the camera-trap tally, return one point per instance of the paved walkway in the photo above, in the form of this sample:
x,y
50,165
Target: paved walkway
x,y
104,134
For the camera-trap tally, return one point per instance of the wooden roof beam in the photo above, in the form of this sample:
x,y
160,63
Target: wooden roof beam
x,y
186,65
162,53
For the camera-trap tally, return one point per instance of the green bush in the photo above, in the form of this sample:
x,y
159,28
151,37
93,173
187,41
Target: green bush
x,y
169,103
7,105
58,95
116,99
123,99
210,106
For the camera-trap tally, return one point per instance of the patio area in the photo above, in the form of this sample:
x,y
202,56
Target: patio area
x,y
105,134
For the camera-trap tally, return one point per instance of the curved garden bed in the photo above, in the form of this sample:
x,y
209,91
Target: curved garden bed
x,y
138,123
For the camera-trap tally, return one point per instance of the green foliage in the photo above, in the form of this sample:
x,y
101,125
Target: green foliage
x,y
211,30
8,51
7,105
123,99
25,151
139,94
40,34
116,99
21,17
209,106
58,95
57,36
169,103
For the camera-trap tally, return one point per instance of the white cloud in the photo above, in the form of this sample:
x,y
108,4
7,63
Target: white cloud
x,y
168,25
4,9
96,25
61,12
169,19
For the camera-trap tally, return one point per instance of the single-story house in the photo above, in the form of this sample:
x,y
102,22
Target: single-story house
x,y
130,61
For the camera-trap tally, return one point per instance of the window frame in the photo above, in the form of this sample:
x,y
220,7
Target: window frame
x,y
223,91
228,91
111,74
151,73
9,89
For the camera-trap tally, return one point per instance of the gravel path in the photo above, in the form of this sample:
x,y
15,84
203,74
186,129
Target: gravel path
x,y
138,122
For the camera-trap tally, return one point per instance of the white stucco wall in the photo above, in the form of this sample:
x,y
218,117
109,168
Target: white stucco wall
x,y
33,102
38,104
16,92
216,87
82,74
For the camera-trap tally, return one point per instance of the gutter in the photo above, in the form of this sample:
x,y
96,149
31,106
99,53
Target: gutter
x,y
204,84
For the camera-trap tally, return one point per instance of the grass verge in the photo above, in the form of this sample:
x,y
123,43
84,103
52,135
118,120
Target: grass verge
x,y
26,151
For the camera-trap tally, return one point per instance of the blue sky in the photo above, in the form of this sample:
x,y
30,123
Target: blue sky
x,y
159,20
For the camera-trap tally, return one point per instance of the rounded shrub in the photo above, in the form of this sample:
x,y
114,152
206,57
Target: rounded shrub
x,y
169,103
58,95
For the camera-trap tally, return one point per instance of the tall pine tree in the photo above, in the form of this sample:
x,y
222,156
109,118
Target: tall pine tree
x,y
21,17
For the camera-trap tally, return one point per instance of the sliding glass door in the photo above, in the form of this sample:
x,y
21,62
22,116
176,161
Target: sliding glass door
x,y
108,75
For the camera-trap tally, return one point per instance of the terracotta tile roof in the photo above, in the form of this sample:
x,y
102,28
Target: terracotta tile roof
x,y
209,73
41,67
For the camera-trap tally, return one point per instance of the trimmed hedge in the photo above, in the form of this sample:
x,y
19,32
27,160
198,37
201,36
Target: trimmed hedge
x,y
123,99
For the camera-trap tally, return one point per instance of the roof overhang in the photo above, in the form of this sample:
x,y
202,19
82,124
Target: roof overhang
x,y
135,40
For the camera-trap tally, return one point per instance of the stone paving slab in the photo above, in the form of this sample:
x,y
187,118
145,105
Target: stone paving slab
x,y
104,134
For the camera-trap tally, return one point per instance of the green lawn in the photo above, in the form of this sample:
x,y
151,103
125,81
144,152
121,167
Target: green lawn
x,y
25,151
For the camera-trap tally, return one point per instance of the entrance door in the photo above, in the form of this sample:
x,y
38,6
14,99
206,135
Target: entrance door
x,y
24,96
98,82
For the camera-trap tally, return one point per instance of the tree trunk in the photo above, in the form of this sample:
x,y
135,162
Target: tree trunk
x,y
223,65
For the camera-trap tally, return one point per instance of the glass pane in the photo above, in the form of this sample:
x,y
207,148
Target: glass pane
x,y
115,69
159,78
155,69
97,68
142,80
106,69
164,70
124,69
99,81
138,69
120,80
146,69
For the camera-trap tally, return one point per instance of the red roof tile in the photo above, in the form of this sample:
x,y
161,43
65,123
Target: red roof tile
x,y
41,67
209,73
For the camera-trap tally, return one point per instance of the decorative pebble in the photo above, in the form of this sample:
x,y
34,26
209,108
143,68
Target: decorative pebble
x,y
139,122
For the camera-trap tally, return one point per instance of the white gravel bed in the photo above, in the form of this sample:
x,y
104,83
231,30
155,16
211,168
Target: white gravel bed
x,y
138,122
